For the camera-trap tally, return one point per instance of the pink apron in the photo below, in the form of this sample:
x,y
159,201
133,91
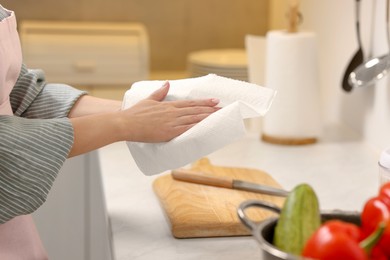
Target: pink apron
x,y
19,239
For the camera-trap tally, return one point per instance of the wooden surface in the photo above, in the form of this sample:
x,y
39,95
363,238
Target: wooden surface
x,y
195,210
288,140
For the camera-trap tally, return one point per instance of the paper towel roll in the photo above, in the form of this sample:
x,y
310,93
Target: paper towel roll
x,y
292,70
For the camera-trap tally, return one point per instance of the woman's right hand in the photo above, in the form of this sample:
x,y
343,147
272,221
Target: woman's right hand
x,y
99,122
155,120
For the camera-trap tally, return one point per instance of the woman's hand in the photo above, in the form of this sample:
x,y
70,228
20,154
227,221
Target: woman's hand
x,y
155,120
150,120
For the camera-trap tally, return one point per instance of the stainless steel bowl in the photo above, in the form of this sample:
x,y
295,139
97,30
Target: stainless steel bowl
x,y
263,231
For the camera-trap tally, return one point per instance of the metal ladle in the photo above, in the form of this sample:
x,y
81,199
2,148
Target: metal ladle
x,y
358,58
373,69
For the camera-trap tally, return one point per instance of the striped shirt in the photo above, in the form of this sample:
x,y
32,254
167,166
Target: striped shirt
x,y
34,142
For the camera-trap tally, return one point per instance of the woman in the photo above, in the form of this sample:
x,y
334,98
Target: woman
x,y
43,124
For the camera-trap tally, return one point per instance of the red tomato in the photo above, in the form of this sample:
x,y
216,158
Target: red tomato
x,y
375,211
378,254
384,193
384,243
335,240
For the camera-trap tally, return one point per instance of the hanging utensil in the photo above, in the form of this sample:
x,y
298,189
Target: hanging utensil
x,y
358,58
373,69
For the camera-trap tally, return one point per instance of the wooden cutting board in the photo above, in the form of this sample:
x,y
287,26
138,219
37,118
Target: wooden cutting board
x,y
195,210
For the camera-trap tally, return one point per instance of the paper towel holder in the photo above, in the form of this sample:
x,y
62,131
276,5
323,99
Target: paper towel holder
x,y
294,16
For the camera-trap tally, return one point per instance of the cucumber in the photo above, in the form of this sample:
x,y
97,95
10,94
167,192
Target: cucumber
x,y
299,218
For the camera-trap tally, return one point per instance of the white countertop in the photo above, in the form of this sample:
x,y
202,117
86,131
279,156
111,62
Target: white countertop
x,y
341,168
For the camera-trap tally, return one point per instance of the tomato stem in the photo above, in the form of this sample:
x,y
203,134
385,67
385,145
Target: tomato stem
x,y
368,243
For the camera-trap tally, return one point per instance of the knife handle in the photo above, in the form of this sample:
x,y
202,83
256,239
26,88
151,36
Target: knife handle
x,y
201,178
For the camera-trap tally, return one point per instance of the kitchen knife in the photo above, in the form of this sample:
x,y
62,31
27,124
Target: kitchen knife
x,y
225,182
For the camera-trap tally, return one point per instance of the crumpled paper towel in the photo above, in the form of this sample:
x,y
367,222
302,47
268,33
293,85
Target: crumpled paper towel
x,y
238,100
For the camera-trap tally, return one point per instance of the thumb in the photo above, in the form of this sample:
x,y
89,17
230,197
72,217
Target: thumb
x,y
160,93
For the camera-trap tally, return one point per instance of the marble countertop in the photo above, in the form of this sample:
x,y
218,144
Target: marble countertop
x,y
341,168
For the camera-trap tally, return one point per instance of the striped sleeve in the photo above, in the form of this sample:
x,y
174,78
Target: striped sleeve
x,y
3,13
31,97
32,152
34,142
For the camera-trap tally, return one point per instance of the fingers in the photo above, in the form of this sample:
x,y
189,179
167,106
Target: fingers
x,y
198,110
181,129
189,120
160,93
190,112
196,102
172,118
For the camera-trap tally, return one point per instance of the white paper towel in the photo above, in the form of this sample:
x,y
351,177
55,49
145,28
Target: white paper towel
x,y
292,70
238,100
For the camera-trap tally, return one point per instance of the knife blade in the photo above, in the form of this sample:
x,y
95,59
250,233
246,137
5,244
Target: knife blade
x,y
225,182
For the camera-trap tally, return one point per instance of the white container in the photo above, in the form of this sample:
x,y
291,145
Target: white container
x,y
384,167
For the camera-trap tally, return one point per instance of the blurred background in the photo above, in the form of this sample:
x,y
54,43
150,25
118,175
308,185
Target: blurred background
x,y
177,28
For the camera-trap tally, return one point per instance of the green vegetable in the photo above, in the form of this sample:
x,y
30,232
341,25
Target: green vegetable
x,y
299,219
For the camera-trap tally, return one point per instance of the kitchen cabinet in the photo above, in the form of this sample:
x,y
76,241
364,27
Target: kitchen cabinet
x,y
73,222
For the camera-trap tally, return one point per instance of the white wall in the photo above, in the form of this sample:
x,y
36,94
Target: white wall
x,y
367,110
